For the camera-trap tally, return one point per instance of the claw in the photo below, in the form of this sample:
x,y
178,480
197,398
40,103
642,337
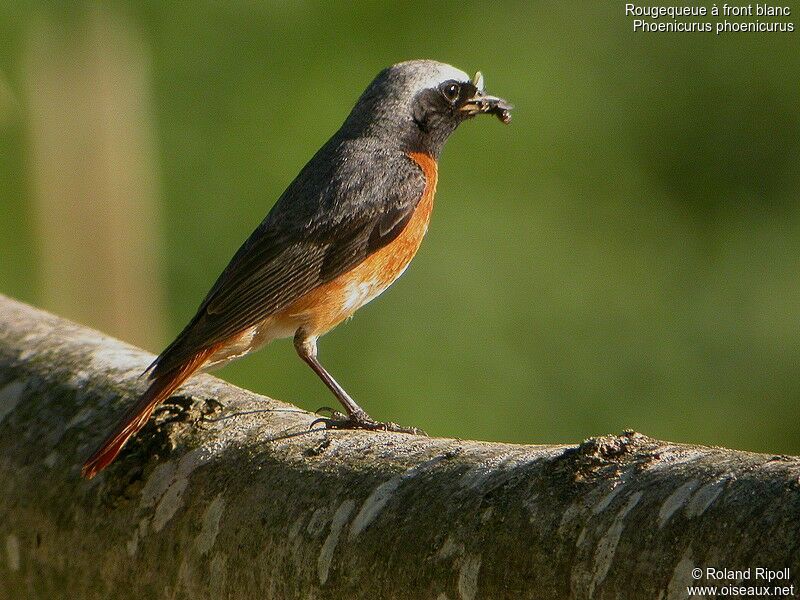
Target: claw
x,y
320,420
338,420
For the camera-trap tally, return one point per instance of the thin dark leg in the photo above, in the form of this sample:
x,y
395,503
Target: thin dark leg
x,y
307,349
357,417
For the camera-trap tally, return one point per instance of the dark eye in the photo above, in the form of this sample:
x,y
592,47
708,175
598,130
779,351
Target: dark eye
x,y
450,90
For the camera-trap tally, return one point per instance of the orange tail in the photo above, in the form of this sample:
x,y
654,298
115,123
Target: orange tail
x,y
136,417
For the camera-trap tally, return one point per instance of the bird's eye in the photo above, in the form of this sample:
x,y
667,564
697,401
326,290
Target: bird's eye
x,y
450,90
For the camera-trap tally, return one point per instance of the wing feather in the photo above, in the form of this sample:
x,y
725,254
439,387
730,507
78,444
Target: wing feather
x,y
313,234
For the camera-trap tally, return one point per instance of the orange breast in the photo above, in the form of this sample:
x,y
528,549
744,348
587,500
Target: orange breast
x,y
331,303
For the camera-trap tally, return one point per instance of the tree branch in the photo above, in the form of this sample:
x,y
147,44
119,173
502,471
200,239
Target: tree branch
x,y
227,494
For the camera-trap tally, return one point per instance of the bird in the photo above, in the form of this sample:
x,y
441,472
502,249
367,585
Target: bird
x,y
340,234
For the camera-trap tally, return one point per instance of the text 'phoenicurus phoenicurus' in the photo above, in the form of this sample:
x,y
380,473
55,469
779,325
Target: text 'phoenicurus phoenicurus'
x,y
340,234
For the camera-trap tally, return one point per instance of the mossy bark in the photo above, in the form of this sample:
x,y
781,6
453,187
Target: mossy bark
x,y
227,494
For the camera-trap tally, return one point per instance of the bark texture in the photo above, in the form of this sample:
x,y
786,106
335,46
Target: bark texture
x,y
227,494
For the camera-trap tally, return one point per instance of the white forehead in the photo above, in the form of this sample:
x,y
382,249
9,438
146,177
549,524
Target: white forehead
x,y
429,74
441,73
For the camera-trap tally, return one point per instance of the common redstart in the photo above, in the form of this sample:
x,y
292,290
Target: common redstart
x,y
340,234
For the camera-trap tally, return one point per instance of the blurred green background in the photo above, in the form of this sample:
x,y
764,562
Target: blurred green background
x,y
625,255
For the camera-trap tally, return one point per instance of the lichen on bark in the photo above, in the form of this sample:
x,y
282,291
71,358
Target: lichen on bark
x,y
227,494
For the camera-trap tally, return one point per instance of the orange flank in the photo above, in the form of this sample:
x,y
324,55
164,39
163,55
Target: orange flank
x,y
321,309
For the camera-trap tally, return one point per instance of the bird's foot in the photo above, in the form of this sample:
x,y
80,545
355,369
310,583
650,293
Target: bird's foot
x,y
339,420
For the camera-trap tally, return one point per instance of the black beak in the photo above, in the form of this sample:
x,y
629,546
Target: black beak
x,y
482,103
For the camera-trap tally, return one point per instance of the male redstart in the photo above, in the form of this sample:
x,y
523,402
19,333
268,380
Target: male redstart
x,y
340,234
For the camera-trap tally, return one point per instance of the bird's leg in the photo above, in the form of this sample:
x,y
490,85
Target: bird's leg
x,y
357,417
307,349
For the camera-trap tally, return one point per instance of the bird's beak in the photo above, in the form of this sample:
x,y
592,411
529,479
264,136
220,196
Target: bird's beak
x,y
480,102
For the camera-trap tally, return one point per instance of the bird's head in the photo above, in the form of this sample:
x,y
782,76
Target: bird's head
x,y
420,103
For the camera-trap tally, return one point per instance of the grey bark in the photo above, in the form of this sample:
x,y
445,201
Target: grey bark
x,y
227,494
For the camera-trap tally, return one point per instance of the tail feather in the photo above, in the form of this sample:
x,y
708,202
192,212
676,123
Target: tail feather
x,y
136,417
